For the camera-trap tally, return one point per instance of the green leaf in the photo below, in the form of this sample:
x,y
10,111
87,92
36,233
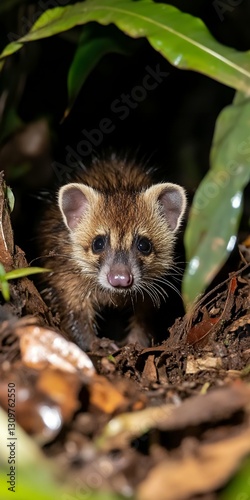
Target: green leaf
x,y
16,273
181,38
10,198
239,486
5,290
34,474
24,271
95,42
2,271
215,214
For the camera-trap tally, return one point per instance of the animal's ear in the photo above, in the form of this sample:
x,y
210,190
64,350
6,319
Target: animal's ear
x,y
172,200
74,200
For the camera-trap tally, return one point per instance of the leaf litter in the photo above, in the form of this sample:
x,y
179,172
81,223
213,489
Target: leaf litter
x,y
170,421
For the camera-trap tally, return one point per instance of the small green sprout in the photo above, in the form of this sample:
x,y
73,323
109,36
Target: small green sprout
x,y
111,359
16,273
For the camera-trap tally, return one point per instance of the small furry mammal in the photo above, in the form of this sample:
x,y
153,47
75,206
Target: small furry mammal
x,y
109,242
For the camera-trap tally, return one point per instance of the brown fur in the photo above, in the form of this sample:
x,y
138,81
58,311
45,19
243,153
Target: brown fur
x,y
123,204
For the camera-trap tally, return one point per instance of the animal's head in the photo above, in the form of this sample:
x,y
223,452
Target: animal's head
x,y
122,240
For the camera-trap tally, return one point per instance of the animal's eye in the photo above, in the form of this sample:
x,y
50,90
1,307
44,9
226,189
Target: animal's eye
x,y
98,244
144,246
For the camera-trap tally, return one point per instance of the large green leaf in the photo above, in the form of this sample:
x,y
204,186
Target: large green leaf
x,y
94,43
239,486
181,38
215,214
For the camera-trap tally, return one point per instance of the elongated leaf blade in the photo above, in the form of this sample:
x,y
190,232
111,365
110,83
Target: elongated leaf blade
x,y
215,214
181,38
5,290
239,485
2,271
95,42
24,271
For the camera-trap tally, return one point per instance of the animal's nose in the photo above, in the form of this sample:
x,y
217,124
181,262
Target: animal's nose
x,y
120,276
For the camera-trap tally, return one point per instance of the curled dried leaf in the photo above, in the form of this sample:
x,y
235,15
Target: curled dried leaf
x,y
41,347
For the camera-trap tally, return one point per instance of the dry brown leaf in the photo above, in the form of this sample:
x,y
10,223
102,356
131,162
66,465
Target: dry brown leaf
x,y
62,388
104,395
244,320
202,330
41,347
207,362
149,371
36,413
198,473
46,400
216,405
246,242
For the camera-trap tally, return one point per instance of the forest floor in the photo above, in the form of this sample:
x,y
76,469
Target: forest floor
x,y
170,422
